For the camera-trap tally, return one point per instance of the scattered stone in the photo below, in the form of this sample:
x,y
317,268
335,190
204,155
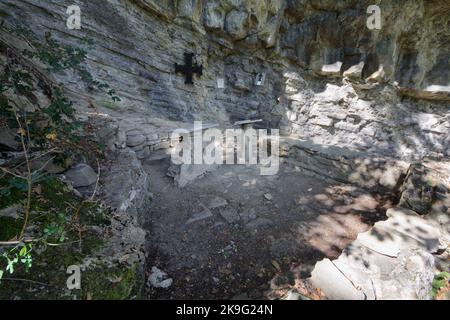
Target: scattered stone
x,y
217,202
378,76
230,215
143,153
82,175
159,279
268,197
205,214
258,223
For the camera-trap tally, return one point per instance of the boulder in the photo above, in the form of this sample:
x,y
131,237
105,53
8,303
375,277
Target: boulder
x,y
81,175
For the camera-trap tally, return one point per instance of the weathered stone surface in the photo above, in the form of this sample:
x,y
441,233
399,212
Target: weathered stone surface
x,y
354,72
404,229
186,173
235,24
394,259
412,277
419,189
230,214
81,175
126,186
214,15
362,273
217,202
348,166
205,214
333,283
357,131
159,279
312,36
9,140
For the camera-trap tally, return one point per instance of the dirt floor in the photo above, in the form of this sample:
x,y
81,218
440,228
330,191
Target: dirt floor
x,y
234,233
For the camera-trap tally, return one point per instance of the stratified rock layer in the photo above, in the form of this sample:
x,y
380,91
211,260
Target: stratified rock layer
x,y
303,49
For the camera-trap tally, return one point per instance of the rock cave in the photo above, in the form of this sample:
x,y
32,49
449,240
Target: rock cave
x,y
357,210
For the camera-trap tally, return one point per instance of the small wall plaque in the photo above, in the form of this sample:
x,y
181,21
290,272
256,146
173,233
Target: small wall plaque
x,y
221,83
260,78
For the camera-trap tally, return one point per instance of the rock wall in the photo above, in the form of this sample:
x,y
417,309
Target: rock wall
x,y
328,78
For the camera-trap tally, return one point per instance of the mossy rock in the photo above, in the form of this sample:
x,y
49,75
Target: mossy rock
x,y
113,283
47,277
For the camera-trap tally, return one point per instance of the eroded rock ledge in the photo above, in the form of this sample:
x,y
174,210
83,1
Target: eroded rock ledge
x,y
397,258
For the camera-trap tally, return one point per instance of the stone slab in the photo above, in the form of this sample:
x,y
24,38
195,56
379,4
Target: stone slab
x,y
333,283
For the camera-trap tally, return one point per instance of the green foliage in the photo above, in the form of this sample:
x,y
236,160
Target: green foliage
x,y
105,283
439,282
56,214
21,254
9,228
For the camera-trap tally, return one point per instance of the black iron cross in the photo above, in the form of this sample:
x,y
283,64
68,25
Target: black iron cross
x,y
189,68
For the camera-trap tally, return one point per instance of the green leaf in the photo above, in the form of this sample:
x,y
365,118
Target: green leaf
x,y
23,251
10,266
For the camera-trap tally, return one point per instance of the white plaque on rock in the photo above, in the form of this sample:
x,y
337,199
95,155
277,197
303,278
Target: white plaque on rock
x,y
220,83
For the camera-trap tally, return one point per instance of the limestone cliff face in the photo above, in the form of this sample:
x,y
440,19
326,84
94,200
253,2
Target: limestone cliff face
x,y
328,78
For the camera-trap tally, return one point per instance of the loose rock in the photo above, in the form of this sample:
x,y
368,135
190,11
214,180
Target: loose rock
x,y
159,279
82,175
